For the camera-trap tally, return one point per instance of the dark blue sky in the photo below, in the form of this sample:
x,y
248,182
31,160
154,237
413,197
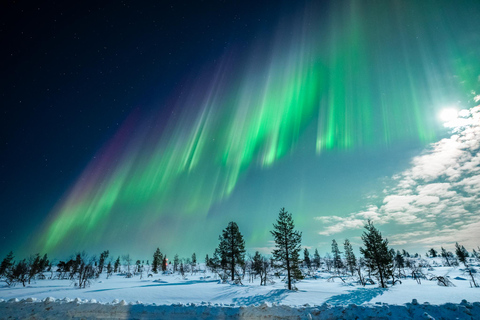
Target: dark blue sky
x,y
73,71
164,118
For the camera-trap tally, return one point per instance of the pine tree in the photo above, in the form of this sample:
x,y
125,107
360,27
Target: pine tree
x,y
446,255
176,262
194,260
19,273
257,263
138,266
260,267
337,259
306,258
433,253
350,257
231,249
109,269
287,243
44,263
157,260
476,254
116,266
316,259
101,261
7,264
164,263
462,255
378,257
33,267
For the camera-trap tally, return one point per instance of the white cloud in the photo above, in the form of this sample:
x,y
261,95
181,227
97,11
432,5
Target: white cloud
x,y
426,200
341,225
438,195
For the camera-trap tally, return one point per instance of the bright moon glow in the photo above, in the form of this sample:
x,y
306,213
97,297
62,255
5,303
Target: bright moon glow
x,y
448,114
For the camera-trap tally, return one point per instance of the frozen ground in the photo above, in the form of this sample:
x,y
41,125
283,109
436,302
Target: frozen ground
x,y
202,296
78,309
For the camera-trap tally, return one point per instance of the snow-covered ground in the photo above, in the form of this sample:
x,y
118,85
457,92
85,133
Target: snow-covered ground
x,y
201,295
78,309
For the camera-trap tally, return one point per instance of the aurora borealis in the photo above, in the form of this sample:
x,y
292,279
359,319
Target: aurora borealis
x,y
311,116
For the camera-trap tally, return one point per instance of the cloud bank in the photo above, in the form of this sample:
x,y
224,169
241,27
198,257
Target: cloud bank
x,y
435,201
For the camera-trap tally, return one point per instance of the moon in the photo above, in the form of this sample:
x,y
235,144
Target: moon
x,y
448,114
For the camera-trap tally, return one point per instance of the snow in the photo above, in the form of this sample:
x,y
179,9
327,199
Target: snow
x,y
203,296
78,309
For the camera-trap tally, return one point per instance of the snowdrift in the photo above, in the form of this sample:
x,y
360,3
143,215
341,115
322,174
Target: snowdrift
x,y
83,309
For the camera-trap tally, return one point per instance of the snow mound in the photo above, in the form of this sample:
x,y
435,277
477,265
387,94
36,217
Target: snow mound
x,y
50,300
62,309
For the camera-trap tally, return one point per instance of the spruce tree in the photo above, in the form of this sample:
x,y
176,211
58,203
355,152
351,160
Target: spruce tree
x,y
378,257
157,260
399,263
349,257
257,261
176,262
306,258
316,259
337,259
287,243
231,249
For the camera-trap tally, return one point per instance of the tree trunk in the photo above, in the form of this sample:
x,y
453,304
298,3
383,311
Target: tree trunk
x,y
232,245
380,273
288,264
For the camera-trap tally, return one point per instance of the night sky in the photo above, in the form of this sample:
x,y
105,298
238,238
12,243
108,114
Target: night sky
x,y
134,125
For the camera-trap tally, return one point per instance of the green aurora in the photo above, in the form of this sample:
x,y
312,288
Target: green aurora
x,y
364,76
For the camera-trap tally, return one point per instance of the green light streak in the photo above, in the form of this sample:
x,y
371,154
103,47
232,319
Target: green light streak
x,y
343,74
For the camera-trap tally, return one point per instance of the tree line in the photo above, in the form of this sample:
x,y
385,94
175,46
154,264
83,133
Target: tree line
x,y
378,264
